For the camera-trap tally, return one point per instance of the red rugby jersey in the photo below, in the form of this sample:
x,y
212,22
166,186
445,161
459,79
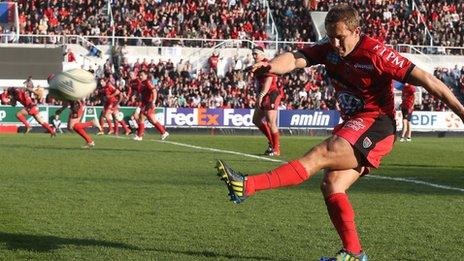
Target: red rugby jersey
x,y
135,86
407,95
23,97
261,79
108,91
362,79
147,92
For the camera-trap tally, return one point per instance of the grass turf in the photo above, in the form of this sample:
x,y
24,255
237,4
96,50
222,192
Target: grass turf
x,y
152,200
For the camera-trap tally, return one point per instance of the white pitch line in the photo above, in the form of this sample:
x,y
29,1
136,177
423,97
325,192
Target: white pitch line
x,y
418,182
208,149
219,150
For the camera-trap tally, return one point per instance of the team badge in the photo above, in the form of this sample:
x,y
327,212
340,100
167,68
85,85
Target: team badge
x,y
367,142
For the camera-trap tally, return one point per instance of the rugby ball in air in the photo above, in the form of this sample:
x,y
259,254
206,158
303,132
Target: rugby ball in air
x,y
72,85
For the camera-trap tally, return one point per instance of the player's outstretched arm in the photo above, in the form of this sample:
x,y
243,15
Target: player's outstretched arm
x,y
281,64
437,88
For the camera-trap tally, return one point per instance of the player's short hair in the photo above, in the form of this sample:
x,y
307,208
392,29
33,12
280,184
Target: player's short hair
x,y
343,13
11,91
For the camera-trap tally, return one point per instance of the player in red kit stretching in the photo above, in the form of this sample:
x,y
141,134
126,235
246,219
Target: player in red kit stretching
x,y
111,96
147,109
361,70
268,99
74,121
30,108
407,107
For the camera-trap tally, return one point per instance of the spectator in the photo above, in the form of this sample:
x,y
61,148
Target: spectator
x,y
69,56
213,61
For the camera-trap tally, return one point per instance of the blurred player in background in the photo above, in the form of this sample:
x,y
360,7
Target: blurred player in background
x,y
147,108
407,107
361,70
30,108
74,120
134,87
111,97
268,100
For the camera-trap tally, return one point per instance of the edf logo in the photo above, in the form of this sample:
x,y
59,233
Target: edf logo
x,y
2,115
423,120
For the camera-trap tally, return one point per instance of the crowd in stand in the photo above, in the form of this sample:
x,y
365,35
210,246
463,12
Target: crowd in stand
x,y
390,21
180,86
172,19
395,22
454,79
293,20
191,19
75,17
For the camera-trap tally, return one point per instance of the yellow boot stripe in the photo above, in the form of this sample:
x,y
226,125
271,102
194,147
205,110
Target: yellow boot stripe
x,y
237,183
239,189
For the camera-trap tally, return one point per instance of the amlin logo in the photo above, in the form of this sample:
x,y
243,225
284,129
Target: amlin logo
x,y
315,119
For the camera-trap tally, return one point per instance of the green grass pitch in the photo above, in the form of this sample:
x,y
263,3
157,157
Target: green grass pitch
x,y
127,200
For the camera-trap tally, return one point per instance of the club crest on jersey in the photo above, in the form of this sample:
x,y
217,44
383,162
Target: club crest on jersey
x,y
367,142
333,58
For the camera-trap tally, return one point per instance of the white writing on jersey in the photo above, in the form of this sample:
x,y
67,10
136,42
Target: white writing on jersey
x,y
389,55
355,124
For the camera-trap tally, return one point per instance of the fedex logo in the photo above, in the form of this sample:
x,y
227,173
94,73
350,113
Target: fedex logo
x,y
238,117
192,117
207,119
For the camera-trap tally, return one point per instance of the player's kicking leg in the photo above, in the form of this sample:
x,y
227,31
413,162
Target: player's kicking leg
x,y
333,153
235,181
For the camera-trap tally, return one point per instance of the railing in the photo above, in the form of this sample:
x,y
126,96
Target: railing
x,y
271,23
196,56
110,16
429,50
427,31
405,48
94,41
50,40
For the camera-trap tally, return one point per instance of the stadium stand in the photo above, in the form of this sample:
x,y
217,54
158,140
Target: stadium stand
x,y
389,21
171,19
182,84
395,22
